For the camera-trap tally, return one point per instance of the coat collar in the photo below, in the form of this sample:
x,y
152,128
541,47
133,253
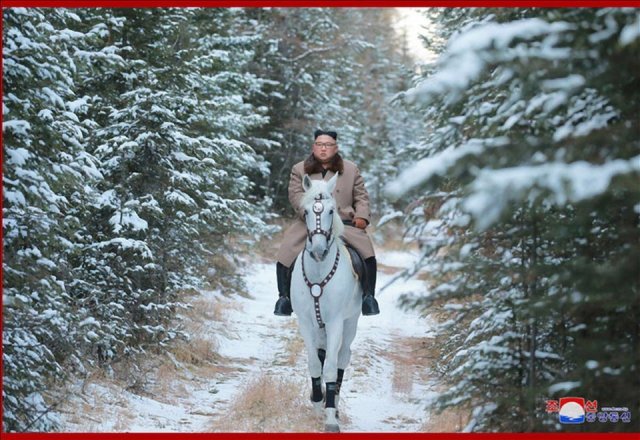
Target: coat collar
x,y
312,165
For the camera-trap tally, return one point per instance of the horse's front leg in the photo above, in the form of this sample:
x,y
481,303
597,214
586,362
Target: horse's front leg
x,y
308,333
334,343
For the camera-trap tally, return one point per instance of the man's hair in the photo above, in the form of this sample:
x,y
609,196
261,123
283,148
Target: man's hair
x,y
319,132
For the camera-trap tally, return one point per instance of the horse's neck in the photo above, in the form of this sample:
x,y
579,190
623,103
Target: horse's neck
x,y
316,271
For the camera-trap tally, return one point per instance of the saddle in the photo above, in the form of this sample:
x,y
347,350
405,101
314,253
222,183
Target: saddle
x,y
357,261
359,267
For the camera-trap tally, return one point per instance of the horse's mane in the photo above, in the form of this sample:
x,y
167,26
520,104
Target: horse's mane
x,y
320,187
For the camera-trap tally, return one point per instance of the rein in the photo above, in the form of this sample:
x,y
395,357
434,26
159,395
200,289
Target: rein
x,y
317,289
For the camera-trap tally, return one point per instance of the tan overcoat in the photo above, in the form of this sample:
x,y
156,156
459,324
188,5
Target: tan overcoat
x,y
352,201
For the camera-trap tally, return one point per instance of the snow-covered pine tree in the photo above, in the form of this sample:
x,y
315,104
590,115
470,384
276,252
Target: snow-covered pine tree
x,y
382,125
175,165
45,169
125,172
536,146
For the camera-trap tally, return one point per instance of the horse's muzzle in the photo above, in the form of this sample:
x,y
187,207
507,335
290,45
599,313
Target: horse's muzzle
x,y
320,256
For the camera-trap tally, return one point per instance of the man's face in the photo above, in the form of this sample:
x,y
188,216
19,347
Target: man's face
x,y
324,148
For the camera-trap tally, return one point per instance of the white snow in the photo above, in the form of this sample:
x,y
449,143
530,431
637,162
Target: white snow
x,y
630,33
401,259
16,156
15,197
569,82
89,321
182,157
127,217
255,340
564,387
592,365
439,164
107,199
53,97
126,244
179,197
576,181
469,52
18,126
388,217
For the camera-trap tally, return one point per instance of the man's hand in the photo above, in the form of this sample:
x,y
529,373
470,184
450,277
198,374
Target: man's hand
x,y
359,223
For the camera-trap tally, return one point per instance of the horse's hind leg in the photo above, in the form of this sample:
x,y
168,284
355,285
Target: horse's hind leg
x,y
348,335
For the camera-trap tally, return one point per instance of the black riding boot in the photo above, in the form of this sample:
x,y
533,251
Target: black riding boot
x,y
283,305
369,302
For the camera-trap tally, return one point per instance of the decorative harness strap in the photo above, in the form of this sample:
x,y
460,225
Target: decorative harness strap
x,y
317,289
318,207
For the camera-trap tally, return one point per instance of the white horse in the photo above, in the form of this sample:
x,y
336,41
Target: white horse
x,y
326,297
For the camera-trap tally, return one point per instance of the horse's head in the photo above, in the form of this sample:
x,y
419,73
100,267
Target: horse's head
x,y
321,216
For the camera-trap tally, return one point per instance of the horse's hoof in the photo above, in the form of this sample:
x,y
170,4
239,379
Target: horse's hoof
x,y
331,422
331,428
318,407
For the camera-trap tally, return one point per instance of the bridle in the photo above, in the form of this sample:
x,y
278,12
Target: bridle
x,y
317,289
317,209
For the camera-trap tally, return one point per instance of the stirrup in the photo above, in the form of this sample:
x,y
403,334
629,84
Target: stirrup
x,y
283,307
370,305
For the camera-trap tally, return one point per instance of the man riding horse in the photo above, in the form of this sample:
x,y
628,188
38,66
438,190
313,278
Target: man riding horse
x,y
353,207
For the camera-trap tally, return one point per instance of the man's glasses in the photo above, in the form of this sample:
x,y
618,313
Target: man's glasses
x,y
323,145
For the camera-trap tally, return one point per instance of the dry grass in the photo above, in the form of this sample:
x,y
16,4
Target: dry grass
x,y
123,420
392,235
161,376
166,385
204,310
89,408
405,364
413,361
199,355
267,247
449,420
196,352
269,404
294,346
202,348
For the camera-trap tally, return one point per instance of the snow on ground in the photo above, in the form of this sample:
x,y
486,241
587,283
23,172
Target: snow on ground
x,y
401,259
382,391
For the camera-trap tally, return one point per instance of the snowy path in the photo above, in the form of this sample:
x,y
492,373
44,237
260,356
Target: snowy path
x,y
260,382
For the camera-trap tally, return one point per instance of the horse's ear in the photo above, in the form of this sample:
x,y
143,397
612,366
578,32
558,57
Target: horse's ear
x,y
331,184
306,182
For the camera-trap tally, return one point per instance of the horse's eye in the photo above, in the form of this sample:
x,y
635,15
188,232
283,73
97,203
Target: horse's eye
x,y
331,212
